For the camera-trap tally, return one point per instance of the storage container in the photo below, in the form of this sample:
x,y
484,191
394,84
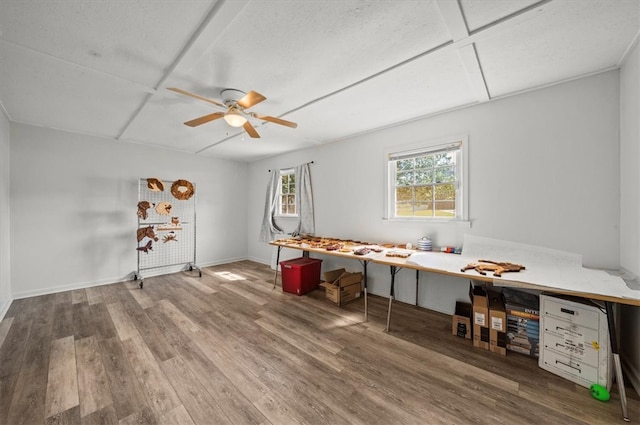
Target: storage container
x,y
300,275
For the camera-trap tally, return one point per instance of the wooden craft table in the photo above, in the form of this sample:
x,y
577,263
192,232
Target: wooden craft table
x,y
363,259
451,264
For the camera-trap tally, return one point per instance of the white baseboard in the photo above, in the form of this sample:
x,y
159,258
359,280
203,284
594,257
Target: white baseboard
x,y
108,281
4,308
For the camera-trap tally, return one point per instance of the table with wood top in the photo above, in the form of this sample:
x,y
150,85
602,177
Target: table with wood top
x,y
363,259
451,264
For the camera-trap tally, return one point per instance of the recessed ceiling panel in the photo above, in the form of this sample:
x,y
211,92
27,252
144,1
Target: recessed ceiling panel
x,y
294,52
425,86
38,90
564,40
479,13
137,40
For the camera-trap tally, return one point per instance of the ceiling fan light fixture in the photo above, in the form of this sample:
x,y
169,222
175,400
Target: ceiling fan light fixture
x,y
234,118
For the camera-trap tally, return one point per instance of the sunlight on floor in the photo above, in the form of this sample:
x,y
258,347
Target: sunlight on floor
x,y
230,276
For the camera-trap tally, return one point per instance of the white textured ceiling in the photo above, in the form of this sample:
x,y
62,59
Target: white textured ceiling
x,y
337,68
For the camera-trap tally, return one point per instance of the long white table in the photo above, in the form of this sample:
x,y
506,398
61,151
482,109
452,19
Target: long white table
x,y
598,285
562,277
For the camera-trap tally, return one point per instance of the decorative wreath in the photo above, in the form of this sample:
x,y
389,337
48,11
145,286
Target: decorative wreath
x,y
155,185
182,189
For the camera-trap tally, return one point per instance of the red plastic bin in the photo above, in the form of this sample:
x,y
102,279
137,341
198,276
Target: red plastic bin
x,y
300,275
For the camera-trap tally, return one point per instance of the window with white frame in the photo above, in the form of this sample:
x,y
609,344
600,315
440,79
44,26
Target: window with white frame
x,y
427,183
287,196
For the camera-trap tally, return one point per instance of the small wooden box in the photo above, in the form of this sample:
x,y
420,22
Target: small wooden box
x,y
341,286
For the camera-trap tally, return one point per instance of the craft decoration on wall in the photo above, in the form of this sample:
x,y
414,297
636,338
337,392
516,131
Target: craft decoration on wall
x,y
155,185
145,248
143,206
147,232
174,224
182,189
164,208
483,266
171,236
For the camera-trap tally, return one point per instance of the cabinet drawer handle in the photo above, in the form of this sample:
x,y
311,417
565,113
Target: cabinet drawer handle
x,y
571,366
566,310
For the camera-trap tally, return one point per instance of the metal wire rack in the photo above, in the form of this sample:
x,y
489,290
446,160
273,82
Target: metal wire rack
x,y
166,232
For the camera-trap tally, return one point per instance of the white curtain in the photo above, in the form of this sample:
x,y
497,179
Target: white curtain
x,y
304,201
269,227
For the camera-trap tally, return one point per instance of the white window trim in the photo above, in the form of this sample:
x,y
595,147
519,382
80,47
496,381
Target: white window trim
x,y
434,144
285,171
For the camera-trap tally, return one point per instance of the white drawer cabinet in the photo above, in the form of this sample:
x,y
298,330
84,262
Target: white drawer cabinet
x,y
574,341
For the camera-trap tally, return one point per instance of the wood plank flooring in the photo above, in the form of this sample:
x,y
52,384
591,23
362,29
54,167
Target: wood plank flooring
x,y
226,348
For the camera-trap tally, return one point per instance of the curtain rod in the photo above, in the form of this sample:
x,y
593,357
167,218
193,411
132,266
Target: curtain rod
x,y
310,162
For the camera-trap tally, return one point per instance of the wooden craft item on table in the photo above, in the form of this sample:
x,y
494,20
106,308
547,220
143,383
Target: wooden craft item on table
x,y
483,266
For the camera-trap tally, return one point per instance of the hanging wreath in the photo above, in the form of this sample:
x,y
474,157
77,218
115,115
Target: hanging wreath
x,y
182,189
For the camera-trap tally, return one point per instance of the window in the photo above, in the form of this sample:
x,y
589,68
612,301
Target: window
x,y
426,183
287,198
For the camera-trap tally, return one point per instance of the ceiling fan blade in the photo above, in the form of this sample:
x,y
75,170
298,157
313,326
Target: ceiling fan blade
x,y
250,99
204,119
275,120
186,93
251,130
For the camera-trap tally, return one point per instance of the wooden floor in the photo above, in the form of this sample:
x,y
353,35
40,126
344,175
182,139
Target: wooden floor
x,y
228,349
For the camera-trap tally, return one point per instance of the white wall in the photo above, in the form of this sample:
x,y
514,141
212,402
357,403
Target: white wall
x,y
630,203
5,234
73,207
543,170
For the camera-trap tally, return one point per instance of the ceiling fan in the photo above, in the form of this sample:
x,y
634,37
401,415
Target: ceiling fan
x,y
236,103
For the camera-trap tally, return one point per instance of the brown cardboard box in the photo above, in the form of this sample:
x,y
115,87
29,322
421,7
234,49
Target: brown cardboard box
x,y
461,321
480,317
341,286
497,323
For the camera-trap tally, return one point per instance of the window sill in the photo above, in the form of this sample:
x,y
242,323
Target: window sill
x,y
461,223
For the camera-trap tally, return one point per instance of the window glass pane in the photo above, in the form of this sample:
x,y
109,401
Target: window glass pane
x,y
445,192
404,209
424,162
445,174
423,193
404,194
423,176
445,209
292,179
291,209
446,158
292,187
404,178
423,209
291,200
404,164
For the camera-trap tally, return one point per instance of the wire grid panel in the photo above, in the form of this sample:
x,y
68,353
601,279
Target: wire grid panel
x,y
171,239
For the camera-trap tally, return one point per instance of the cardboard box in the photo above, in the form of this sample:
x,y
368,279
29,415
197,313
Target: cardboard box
x,y
300,275
480,317
341,286
461,321
523,321
498,323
